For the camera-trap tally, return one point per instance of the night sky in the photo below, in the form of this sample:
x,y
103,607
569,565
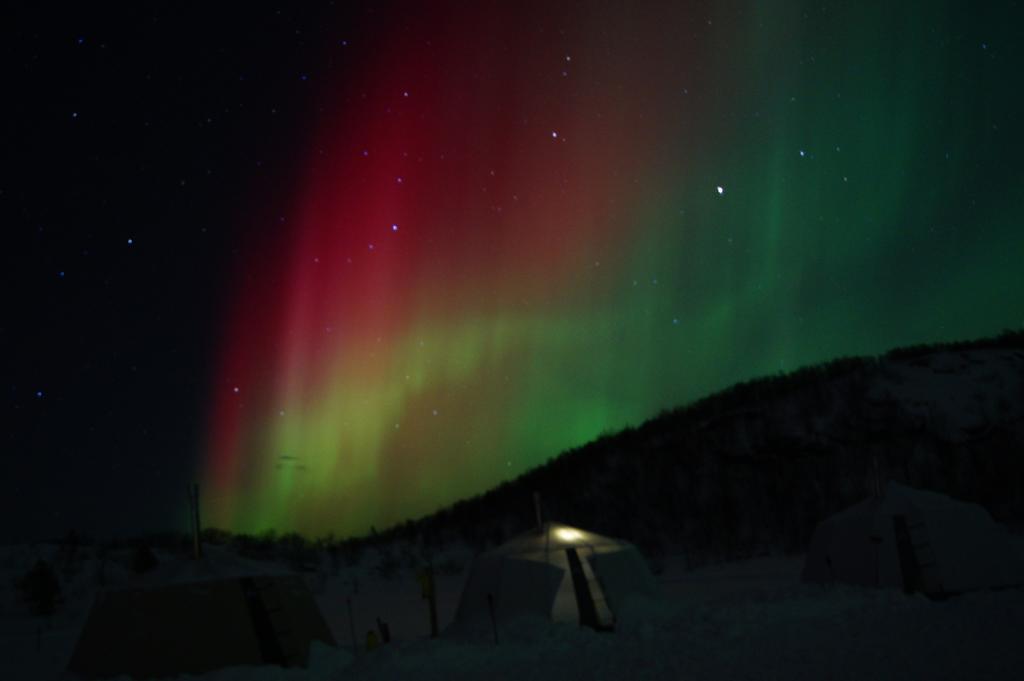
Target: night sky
x,y
345,265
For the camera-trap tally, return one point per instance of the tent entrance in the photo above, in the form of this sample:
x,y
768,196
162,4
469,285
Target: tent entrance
x,y
590,599
917,557
266,611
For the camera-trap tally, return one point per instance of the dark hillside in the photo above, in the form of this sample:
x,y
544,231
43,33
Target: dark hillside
x,y
755,467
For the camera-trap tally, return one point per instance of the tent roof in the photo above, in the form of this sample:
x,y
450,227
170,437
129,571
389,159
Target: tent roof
x,y
941,545
899,499
557,536
537,574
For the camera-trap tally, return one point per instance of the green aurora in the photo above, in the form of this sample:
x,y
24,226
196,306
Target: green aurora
x,y
696,197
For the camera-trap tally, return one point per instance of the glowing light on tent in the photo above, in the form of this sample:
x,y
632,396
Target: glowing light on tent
x,y
568,534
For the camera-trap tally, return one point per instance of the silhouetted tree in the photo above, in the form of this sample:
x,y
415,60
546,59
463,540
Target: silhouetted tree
x,y
213,535
143,559
40,588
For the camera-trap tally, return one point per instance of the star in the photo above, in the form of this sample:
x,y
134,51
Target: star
x,y
235,389
394,228
131,241
720,189
39,393
554,134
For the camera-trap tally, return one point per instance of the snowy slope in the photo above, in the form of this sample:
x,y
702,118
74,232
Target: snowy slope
x,y
742,620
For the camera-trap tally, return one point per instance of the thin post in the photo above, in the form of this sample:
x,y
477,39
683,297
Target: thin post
x,y
198,527
191,517
352,626
877,476
427,592
192,491
433,600
536,510
540,525
494,622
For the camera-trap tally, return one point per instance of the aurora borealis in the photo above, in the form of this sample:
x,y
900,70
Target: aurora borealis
x,y
514,228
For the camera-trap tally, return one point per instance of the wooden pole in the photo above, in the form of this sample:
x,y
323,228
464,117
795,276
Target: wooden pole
x,y
427,592
199,544
433,603
192,491
540,526
352,626
191,517
494,622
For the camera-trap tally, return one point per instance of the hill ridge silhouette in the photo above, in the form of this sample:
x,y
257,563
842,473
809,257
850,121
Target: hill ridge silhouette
x,y
751,469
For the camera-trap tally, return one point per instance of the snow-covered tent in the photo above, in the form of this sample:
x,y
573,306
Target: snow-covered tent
x,y
558,573
198,627
916,540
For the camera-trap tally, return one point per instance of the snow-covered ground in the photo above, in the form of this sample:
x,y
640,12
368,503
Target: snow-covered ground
x,y
745,620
